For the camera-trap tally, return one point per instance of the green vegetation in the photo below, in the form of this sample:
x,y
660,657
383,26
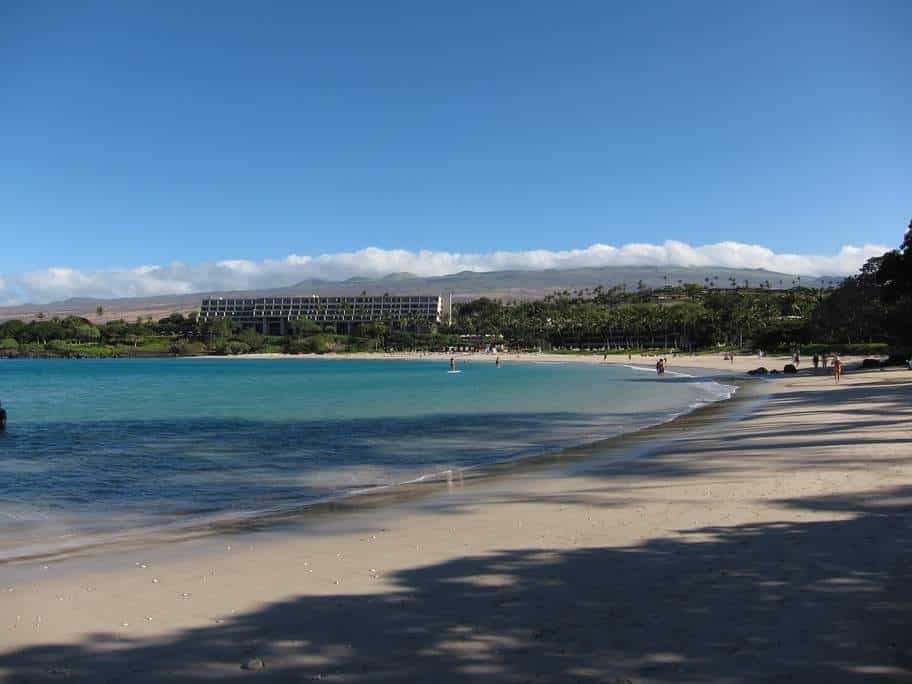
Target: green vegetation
x,y
869,313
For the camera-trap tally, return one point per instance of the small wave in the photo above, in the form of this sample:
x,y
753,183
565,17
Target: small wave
x,y
653,370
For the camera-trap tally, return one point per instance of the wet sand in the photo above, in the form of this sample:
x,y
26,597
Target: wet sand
x,y
769,540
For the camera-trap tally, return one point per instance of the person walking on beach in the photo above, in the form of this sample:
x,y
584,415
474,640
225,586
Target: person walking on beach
x,y
837,369
816,362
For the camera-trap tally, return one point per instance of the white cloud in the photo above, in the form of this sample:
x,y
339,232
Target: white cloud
x,y
52,284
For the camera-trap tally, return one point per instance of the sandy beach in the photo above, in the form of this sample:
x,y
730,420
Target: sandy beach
x,y
713,362
768,539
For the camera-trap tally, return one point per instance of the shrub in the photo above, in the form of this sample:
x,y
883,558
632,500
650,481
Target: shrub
x,y
315,344
304,346
187,348
235,347
9,344
254,341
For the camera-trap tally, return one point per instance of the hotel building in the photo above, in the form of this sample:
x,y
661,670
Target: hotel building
x,y
269,315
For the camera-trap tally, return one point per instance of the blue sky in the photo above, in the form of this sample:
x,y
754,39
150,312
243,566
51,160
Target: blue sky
x,y
148,132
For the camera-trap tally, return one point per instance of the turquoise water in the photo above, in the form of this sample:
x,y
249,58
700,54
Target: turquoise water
x,y
110,445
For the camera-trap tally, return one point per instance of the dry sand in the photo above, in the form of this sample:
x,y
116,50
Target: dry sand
x,y
766,540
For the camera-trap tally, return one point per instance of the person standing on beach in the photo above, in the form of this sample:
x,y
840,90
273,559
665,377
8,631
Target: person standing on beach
x,y
816,362
837,369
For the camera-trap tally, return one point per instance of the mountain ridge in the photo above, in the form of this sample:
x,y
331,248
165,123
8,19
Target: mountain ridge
x,y
506,284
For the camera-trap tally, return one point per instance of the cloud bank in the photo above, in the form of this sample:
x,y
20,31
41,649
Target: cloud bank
x,y
53,284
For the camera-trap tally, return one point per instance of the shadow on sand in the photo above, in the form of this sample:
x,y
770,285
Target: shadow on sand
x,y
816,601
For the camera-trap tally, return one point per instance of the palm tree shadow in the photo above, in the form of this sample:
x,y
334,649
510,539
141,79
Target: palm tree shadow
x,y
810,601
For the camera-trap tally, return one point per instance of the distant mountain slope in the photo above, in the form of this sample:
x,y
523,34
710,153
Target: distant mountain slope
x,y
530,284
507,285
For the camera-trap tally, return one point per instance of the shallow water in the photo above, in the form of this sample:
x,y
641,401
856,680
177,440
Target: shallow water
x,y
107,446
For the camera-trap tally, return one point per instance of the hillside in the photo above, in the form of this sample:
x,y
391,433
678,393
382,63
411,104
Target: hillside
x,y
506,285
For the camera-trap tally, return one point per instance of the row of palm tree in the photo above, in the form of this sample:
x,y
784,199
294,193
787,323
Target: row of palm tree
x,y
614,318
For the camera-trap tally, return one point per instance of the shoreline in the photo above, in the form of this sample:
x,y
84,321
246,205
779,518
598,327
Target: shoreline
x,y
773,543
201,537
703,361
224,522
714,361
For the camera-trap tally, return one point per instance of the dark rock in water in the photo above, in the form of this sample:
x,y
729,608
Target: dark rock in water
x,y
898,358
758,371
789,368
774,372
254,664
871,363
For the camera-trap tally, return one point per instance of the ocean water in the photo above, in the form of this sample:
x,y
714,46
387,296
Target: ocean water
x,y
98,447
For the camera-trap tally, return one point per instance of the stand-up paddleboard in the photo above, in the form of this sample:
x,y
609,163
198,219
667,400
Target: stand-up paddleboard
x,y
453,371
